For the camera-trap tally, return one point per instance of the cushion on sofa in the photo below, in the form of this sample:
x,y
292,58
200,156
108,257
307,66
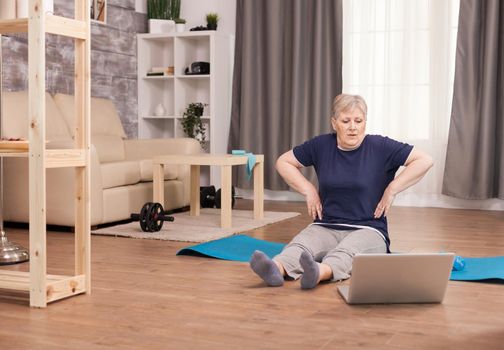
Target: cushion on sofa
x,y
118,174
110,148
170,171
15,117
104,117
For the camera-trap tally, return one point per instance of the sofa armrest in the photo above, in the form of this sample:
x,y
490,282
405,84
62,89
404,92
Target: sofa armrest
x,y
138,149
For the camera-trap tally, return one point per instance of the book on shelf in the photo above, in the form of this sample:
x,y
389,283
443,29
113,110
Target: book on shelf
x,y
161,71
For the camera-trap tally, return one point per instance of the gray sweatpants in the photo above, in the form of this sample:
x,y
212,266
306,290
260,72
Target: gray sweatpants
x,y
335,248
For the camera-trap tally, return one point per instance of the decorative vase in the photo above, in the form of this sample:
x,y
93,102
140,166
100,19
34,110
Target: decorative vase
x,y
212,26
180,27
161,26
160,110
7,9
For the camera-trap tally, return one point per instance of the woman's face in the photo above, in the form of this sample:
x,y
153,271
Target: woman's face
x,y
350,128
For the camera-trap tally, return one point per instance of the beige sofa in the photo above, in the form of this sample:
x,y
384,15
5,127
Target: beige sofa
x,y
121,169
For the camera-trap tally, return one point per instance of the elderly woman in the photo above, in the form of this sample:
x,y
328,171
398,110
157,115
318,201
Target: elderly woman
x,y
356,180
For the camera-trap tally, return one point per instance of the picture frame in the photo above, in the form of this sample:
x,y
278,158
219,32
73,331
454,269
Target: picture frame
x,y
99,11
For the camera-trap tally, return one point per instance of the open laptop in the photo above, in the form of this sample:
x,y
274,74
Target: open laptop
x,y
398,278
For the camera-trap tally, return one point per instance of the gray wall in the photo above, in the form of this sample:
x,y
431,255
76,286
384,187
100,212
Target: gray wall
x,y
113,59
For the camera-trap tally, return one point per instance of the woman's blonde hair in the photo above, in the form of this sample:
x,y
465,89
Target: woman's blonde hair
x,y
347,103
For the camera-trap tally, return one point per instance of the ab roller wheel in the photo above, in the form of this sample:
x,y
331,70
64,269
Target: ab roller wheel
x,y
152,217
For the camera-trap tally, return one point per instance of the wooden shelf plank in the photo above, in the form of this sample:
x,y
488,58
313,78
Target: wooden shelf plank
x,y
13,154
23,273
54,25
57,286
66,27
10,26
65,287
61,158
55,158
23,286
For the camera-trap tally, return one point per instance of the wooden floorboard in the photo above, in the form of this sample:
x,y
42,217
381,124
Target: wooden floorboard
x,y
145,297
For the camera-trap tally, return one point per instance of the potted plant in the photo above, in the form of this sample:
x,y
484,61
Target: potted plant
x,y
174,9
192,124
212,20
161,14
180,25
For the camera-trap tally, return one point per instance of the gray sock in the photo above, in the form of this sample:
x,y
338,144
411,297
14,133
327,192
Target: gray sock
x,y
311,271
266,268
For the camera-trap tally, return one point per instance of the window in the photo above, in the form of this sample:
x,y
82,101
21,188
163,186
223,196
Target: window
x,y
400,56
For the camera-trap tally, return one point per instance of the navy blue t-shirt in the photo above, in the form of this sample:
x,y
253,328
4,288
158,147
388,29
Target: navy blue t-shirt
x,y
351,183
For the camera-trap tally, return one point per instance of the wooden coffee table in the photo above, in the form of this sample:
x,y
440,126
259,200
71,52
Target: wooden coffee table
x,y
226,162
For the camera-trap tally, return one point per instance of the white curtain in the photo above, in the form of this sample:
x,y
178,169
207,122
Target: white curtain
x,y
400,56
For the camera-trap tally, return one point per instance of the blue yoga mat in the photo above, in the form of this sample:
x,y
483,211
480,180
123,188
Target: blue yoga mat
x,y
478,269
241,248
236,248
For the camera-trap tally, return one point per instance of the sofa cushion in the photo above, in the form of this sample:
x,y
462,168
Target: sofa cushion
x,y
170,171
15,117
110,148
116,174
104,117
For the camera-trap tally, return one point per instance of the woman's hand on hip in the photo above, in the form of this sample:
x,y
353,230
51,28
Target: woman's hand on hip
x,y
288,167
385,203
313,204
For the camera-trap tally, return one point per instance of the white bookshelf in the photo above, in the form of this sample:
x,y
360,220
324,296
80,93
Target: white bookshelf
x,y
176,91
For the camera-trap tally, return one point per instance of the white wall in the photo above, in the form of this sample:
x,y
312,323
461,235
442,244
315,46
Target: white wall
x,y
194,11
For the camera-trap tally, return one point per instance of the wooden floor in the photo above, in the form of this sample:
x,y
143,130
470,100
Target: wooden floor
x,y
145,297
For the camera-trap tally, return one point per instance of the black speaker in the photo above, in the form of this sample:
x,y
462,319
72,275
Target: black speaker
x,y
198,68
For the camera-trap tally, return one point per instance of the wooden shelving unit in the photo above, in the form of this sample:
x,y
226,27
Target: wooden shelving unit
x,y
44,288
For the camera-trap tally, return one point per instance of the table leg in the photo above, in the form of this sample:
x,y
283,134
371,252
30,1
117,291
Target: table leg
x,y
195,190
158,183
259,191
226,214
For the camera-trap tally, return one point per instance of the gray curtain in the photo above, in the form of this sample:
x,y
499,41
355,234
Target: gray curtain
x,y
288,59
475,158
